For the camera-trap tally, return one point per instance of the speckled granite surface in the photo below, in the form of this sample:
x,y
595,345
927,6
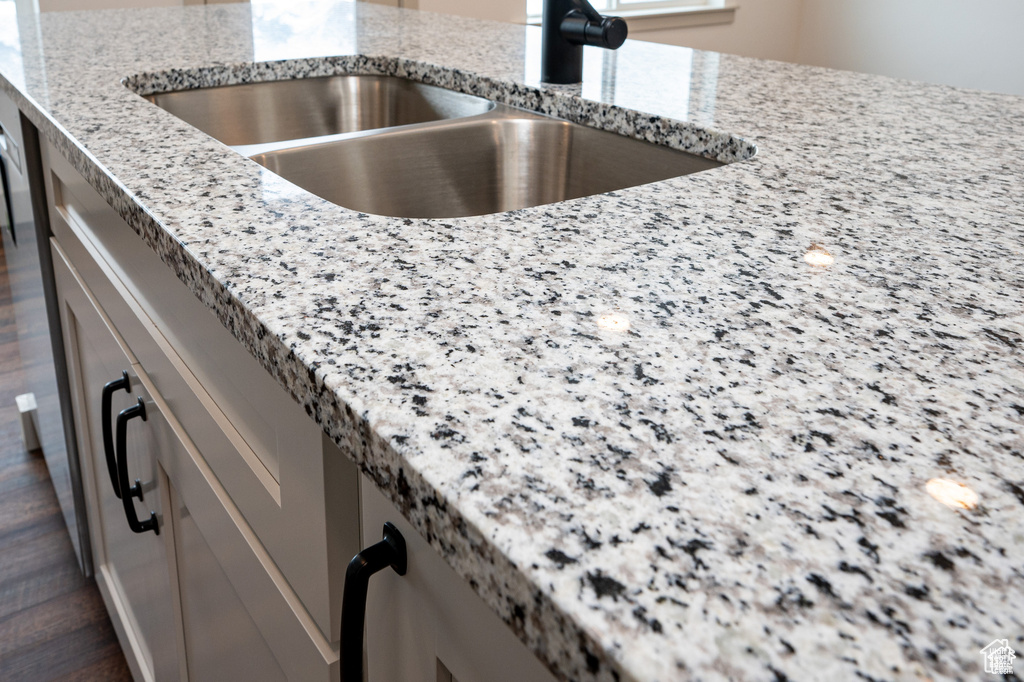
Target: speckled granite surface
x,y
732,488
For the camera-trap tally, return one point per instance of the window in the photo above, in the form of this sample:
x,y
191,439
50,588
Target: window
x,y
534,8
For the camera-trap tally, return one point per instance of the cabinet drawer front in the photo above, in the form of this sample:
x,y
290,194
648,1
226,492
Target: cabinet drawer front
x,y
259,442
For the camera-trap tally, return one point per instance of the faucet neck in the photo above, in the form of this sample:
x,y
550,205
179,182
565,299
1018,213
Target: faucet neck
x,y
567,26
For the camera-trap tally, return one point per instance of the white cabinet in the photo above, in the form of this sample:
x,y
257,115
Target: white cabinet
x,y
132,568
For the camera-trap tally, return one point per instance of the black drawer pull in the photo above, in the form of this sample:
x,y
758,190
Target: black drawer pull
x,y
388,552
127,414
122,384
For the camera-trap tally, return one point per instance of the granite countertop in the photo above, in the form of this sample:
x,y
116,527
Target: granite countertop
x,y
732,488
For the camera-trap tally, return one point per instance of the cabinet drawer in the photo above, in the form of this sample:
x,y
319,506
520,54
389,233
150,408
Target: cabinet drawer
x,y
294,489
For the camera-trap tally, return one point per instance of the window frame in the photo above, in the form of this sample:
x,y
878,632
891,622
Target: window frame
x,y
627,6
640,8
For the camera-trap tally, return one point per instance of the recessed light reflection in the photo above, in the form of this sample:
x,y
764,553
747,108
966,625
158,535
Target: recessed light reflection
x,y
952,494
818,256
616,322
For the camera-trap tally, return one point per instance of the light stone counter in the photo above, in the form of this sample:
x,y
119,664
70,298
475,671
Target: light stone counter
x,y
734,488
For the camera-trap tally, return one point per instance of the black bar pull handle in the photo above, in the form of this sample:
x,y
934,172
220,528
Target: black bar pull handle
x,y
122,384
126,415
388,552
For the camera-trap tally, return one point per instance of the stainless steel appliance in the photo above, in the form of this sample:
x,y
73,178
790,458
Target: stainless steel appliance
x,y
30,268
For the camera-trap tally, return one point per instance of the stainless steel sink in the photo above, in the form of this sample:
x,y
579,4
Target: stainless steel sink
x,y
272,111
395,147
504,161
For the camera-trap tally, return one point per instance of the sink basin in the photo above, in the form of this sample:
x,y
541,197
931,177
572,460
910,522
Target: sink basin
x,y
391,146
271,111
505,161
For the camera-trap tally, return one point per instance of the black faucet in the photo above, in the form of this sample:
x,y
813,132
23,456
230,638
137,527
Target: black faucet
x,y
567,26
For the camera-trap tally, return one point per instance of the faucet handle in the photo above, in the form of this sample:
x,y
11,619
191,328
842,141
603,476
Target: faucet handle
x,y
607,32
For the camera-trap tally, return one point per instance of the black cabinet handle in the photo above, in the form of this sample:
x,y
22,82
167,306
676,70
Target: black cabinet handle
x,y
125,384
388,552
127,414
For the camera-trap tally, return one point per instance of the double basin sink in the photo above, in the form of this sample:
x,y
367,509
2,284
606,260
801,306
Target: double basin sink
x,y
389,146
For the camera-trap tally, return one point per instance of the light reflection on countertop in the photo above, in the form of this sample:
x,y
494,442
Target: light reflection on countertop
x,y
613,322
953,494
818,256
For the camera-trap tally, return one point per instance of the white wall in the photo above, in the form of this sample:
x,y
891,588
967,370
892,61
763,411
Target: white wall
x,y
968,43
766,29
499,10
512,11
66,5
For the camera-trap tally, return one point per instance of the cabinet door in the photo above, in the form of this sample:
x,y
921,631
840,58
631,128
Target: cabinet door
x,y
221,639
429,625
132,569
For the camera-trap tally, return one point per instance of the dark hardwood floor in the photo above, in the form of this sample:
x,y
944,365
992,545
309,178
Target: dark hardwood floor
x,y
53,625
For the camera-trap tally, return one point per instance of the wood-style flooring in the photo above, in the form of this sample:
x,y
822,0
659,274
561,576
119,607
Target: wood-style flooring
x,y
53,625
